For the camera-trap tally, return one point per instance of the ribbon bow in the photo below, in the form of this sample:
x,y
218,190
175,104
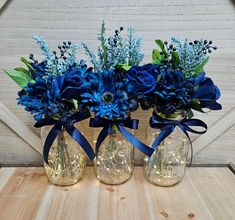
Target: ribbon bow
x,y
168,126
107,129
73,132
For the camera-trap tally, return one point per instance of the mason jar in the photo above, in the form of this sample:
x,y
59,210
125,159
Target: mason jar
x,y
167,165
114,161
66,160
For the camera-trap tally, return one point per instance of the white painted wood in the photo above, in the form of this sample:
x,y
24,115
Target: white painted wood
x,y
15,151
12,121
214,131
222,148
2,3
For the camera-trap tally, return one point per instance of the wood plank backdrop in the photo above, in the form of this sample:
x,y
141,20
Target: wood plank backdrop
x,y
78,21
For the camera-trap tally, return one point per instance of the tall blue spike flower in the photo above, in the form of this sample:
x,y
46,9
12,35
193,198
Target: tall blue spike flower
x,y
134,48
58,63
192,53
115,50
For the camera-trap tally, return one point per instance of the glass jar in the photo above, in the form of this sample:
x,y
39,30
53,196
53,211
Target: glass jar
x,y
66,159
114,161
167,165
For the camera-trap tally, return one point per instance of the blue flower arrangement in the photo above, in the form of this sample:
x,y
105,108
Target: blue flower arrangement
x,y
43,86
175,80
62,90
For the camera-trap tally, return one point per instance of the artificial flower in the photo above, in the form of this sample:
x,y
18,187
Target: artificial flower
x,y
142,79
107,98
174,91
207,93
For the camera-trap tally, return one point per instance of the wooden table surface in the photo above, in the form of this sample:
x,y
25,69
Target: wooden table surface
x,y
205,193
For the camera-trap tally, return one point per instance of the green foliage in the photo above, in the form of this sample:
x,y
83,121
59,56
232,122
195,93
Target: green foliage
x,y
159,77
21,78
161,45
21,69
165,56
196,88
175,59
196,105
125,67
189,113
26,72
75,102
199,68
27,63
159,55
156,56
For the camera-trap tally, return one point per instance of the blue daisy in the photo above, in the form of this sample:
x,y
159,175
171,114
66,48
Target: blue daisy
x,y
107,97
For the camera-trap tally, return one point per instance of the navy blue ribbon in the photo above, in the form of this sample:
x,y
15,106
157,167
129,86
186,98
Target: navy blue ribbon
x,y
69,127
107,129
168,126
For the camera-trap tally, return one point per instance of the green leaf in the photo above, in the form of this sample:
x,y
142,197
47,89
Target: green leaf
x,y
27,63
161,45
156,56
175,58
189,113
75,102
196,105
125,66
199,68
21,78
159,77
196,88
21,69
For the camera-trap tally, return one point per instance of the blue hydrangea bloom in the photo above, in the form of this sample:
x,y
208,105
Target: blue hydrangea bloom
x,y
174,91
39,69
44,97
37,98
170,90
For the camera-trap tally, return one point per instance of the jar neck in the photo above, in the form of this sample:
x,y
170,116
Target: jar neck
x,y
114,130
177,115
61,133
128,115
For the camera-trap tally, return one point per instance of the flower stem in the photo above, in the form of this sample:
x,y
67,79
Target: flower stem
x,y
61,153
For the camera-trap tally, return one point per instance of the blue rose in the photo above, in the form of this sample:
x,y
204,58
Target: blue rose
x,y
74,83
142,79
207,93
74,76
